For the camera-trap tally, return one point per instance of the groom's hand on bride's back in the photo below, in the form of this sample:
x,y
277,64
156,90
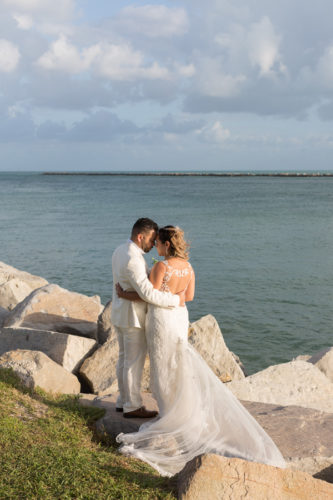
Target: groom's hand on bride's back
x,y
181,298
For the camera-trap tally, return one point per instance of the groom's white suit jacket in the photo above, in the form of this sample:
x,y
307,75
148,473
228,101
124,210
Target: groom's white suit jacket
x,y
130,270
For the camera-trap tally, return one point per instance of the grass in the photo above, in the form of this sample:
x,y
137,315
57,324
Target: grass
x,y
48,451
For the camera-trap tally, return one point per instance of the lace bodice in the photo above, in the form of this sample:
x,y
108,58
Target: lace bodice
x,y
185,274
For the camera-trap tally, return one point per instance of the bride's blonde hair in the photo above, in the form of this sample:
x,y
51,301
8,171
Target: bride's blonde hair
x,y
175,236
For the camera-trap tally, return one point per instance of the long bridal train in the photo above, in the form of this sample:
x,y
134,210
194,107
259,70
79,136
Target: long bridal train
x,y
198,414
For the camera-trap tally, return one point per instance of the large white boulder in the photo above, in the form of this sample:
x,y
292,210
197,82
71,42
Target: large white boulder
x,y
68,351
324,361
15,285
54,308
99,370
295,383
216,477
206,337
105,329
36,369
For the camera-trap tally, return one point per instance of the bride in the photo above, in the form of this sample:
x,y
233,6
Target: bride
x,y
197,413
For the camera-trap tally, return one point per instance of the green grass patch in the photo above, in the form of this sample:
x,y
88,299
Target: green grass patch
x,y
48,451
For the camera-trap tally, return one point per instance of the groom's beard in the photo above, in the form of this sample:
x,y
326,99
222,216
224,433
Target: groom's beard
x,y
146,249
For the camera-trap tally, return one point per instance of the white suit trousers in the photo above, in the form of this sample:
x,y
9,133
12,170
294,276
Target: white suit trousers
x,y
132,354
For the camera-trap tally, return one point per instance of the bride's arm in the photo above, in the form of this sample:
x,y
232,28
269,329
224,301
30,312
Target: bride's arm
x,y
189,292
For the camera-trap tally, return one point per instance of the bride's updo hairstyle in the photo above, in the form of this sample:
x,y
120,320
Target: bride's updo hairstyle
x,y
175,236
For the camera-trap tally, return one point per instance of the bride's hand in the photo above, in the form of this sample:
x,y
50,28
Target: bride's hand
x,y
119,291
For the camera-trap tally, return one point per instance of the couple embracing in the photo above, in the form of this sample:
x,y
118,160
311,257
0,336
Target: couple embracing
x,y
197,413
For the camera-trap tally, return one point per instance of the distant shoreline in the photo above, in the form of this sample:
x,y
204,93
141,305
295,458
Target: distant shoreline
x,y
196,174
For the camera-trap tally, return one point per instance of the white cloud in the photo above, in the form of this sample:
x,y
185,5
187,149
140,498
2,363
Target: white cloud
x,y
263,46
215,133
121,62
153,21
24,22
116,62
64,56
9,56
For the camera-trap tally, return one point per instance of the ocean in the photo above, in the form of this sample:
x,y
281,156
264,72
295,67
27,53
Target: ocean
x,y
261,247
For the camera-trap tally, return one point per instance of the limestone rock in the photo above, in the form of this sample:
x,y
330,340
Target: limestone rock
x,y
67,350
15,285
3,315
105,329
303,435
216,477
35,369
54,308
99,370
302,357
324,361
206,337
295,383
113,422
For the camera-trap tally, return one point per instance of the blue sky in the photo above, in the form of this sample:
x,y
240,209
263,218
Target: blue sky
x,y
173,85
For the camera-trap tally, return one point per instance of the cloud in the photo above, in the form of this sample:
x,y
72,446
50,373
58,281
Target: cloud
x,y
64,56
152,21
214,82
215,133
121,62
325,68
24,22
178,125
101,126
117,62
9,56
263,47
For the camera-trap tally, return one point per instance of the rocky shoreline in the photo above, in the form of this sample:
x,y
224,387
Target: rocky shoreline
x,y
64,342
200,174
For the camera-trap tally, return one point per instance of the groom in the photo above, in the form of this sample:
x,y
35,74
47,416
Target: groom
x,y
130,270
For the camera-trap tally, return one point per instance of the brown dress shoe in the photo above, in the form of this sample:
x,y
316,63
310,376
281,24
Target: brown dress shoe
x,y
140,413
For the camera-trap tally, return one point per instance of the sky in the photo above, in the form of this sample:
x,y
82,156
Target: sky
x,y
228,85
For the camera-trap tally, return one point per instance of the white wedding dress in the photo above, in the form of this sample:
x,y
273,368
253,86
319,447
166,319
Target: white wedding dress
x,y
197,412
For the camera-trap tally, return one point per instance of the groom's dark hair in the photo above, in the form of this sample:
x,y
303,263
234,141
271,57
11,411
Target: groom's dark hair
x,y
144,225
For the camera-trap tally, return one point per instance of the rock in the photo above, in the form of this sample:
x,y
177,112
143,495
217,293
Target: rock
x,y
302,357
67,350
216,477
54,308
105,329
303,435
295,383
3,315
113,422
206,336
15,285
99,370
324,361
35,369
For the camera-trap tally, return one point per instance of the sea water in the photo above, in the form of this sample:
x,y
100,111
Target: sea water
x,y
261,247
